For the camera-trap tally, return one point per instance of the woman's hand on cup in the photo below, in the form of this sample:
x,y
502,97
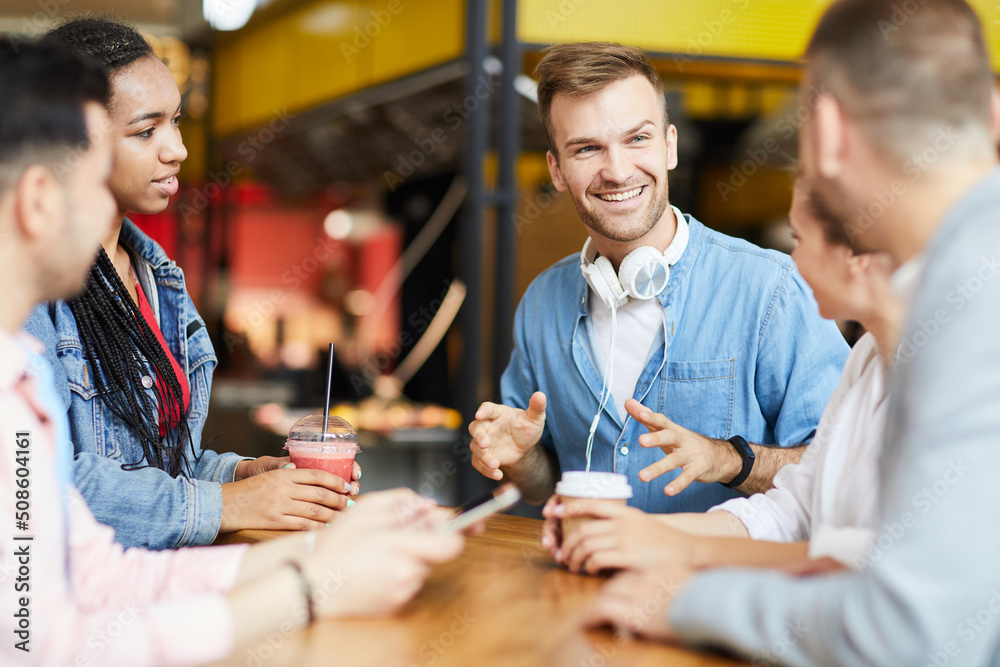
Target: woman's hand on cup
x,y
283,499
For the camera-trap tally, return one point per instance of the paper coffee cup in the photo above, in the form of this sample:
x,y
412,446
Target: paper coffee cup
x,y
604,487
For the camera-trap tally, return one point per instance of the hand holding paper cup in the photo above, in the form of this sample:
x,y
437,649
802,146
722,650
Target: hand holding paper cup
x,y
604,487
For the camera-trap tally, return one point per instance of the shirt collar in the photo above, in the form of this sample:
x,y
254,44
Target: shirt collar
x,y
679,243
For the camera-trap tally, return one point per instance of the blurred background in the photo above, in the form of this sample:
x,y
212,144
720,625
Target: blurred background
x,y
372,173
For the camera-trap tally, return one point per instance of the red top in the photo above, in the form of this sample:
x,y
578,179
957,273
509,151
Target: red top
x,y
170,416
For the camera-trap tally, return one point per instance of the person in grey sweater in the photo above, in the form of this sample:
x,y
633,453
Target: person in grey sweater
x,y
900,148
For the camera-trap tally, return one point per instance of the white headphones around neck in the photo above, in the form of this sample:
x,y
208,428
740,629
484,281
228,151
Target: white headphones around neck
x,y
643,274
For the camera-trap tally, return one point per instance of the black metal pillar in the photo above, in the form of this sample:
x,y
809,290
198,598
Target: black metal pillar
x,y
508,150
471,232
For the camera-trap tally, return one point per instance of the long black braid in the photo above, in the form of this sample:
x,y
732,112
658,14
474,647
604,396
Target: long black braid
x,y
117,342
121,348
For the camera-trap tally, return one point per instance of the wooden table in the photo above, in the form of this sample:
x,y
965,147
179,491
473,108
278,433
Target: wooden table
x,y
504,601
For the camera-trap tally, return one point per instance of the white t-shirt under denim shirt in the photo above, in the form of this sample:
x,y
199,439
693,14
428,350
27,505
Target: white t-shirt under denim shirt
x,y
640,326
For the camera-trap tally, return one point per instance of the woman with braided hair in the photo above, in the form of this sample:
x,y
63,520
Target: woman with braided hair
x,y
132,358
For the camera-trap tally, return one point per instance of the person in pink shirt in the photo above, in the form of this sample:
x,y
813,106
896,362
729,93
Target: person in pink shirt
x,y
70,594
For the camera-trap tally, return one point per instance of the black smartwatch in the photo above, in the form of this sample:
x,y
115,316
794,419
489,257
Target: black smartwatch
x,y
743,449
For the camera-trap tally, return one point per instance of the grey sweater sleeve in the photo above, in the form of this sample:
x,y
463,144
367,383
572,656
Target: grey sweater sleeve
x,y
931,591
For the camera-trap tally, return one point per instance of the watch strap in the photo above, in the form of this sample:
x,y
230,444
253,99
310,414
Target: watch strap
x,y
742,448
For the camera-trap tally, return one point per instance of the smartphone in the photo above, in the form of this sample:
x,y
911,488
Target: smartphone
x,y
503,498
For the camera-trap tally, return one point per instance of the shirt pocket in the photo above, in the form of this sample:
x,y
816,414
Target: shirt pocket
x,y
699,395
81,380
93,426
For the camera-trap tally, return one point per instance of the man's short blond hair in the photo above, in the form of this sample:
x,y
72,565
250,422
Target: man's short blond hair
x,y
585,68
905,71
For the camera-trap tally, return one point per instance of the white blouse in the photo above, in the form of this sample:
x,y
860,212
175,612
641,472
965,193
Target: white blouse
x,y
831,496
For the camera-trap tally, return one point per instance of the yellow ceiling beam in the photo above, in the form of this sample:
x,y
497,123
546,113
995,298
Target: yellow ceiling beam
x,y
771,30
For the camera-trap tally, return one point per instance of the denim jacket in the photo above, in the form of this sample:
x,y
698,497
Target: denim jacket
x,y
747,353
146,507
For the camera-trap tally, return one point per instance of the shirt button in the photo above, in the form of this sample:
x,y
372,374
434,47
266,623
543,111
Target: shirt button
x,y
624,450
147,381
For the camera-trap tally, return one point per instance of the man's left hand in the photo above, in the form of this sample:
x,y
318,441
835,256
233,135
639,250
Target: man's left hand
x,y
700,458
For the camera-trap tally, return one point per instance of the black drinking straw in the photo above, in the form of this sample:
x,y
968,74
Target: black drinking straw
x,y
329,381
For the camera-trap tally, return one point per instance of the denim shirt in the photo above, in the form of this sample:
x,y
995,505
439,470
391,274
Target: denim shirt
x,y
747,353
146,507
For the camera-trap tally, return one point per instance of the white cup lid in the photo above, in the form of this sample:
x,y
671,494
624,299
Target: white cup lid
x,y
606,485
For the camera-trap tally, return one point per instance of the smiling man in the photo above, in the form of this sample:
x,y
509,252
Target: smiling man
x,y
660,324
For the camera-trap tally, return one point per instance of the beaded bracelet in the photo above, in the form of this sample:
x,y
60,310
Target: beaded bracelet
x,y
307,591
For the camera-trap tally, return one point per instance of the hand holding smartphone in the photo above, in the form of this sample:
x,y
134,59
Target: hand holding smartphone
x,y
503,498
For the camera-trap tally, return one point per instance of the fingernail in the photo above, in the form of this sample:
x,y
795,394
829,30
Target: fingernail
x,y
326,524
351,503
546,541
359,475
559,555
287,465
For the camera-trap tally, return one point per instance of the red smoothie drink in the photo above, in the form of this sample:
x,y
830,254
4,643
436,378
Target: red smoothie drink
x,y
332,451
341,465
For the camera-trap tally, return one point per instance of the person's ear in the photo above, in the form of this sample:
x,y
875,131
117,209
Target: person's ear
x,y
859,264
38,195
872,265
829,136
557,179
671,137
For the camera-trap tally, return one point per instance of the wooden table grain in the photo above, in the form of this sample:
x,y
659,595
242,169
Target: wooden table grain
x,y
502,602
